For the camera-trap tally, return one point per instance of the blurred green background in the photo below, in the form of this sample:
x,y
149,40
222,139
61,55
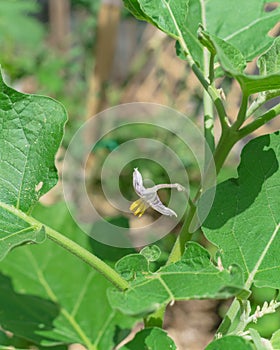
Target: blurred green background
x,y
91,55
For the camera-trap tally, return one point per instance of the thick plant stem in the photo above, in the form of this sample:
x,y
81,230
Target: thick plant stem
x,y
91,259
227,141
208,70
184,236
208,111
228,320
74,248
213,93
242,113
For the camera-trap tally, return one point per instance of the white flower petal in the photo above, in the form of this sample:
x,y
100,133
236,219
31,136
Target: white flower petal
x,y
157,205
150,197
138,182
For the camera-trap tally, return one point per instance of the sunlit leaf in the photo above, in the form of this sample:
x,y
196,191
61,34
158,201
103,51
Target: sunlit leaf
x,y
231,342
49,297
31,129
233,64
244,220
193,277
150,338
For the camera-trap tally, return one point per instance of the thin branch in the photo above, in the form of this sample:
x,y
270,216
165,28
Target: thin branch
x,y
74,248
272,113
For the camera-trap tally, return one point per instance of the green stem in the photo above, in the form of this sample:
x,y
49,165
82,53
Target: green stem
x,y
91,259
208,71
211,68
229,318
227,141
184,236
256,104
212,91
241,114
74,248
272,113
208,108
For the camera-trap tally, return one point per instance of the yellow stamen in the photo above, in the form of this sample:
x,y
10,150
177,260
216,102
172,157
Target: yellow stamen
x,y
138,207
135,204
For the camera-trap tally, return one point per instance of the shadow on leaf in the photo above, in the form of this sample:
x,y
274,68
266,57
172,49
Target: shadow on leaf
x,y
234,196
24,315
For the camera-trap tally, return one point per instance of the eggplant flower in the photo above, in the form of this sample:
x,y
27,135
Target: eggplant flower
x,y
149,198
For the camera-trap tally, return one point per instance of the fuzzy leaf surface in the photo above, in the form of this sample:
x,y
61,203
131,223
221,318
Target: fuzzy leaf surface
x,y
193,277
269,63
238,22
231,342
233,63
150,338
49,297
234,21
244,221
31,129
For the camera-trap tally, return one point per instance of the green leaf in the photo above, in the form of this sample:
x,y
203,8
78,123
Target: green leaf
x,y
49,297
131,266
31,129
10,342
193,277
172,18
244,24
251,84
151,253
230,342
15,231
150,338
134,7
269,62
244,220
181,19
229,56
275,340
169,16
257,340
233,64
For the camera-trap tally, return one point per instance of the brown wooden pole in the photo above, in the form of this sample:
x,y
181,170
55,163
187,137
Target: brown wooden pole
x,y
59,14
107,27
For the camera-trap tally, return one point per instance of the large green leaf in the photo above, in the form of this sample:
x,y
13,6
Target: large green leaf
x,y
234,21
193,277
172,17
150,338
169,16
231,342
244,220
244,24
50,297
233,63
275,340
31,129
134,7
269,63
